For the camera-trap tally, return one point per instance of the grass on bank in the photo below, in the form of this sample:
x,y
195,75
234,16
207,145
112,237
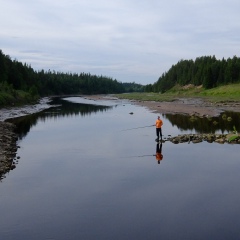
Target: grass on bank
x,y
225,93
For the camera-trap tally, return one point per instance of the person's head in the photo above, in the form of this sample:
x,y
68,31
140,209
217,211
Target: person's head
x,y
158,117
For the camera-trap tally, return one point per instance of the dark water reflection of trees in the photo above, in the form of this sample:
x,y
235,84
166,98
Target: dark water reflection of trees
x,y
64,109
205,125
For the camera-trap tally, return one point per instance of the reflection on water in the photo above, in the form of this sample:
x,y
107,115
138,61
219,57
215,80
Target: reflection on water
x,y
182,122
81,176
206,125
159,155
64,109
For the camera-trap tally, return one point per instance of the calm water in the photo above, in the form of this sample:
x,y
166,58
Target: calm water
x,y
83,175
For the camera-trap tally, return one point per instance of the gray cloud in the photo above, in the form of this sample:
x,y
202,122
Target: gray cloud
x,y
127,40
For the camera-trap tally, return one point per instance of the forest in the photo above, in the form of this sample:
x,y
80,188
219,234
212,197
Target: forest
x,y
206,71
18,77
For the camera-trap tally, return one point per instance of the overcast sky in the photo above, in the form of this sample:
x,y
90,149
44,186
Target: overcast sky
x,y
128,40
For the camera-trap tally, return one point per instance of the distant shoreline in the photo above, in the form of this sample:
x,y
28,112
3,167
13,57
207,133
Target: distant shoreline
x,y
188,106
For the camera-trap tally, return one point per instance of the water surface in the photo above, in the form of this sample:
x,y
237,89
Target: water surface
x,y
83,175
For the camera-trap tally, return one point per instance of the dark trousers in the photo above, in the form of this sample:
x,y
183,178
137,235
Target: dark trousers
x,y
159,148
159,132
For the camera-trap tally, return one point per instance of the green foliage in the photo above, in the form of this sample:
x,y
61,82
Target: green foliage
x,y
233,138
133,87
33,91
235,130
17,76
5,98
145,96
222,94
206,71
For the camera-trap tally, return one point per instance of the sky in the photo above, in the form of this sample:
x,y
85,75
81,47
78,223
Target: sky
x,y
127,40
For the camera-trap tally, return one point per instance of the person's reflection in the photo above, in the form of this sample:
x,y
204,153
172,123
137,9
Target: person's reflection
x,y
159,155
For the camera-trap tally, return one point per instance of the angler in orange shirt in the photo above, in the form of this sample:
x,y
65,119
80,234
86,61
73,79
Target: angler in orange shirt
x,y
159,124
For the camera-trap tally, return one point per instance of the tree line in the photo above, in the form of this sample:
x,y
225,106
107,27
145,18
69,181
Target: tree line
x,y
206,71
15,75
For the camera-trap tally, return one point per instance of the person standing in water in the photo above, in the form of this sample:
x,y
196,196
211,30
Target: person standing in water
x,y
159,124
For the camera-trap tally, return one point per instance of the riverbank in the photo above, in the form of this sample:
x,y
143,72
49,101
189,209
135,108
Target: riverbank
x,y
8,148
189,106
8,138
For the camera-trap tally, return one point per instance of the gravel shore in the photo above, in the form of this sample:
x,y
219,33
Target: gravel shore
x,y
190,106
8,138
8,148
187,106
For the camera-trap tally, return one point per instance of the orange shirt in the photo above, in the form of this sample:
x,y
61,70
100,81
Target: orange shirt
x,y
159,123
159,156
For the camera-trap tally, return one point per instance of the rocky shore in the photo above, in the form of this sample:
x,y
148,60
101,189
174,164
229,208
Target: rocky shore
x,y
231,138
8,148
8,138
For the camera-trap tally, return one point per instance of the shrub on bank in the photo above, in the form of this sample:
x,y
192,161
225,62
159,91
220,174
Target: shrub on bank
x,y
16,97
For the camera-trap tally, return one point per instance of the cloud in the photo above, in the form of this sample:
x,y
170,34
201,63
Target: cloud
x,y
127,40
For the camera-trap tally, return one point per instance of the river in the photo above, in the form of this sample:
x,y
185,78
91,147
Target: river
x,y
88,170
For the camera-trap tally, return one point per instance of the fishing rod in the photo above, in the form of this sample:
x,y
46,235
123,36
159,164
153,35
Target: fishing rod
x,y
140,156
138,128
